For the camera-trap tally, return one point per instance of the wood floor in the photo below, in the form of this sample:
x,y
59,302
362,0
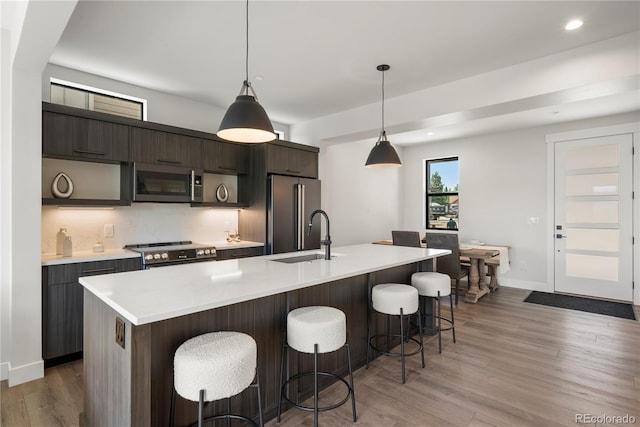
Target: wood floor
x,y
514,364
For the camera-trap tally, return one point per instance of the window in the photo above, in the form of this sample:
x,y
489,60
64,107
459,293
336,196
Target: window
x,y
442,193
80,96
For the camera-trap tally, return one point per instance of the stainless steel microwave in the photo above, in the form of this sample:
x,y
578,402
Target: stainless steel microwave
x,y
168,184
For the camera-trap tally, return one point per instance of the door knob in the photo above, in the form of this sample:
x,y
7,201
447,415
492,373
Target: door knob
x,y
560,236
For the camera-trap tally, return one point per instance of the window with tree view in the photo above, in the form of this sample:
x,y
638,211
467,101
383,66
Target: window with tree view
x,y
442,193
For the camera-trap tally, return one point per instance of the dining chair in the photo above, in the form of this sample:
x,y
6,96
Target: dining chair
x,y
406,238
448,264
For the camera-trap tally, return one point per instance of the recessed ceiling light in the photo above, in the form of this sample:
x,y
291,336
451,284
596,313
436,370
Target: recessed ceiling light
x,y
429,133
574,24
259,78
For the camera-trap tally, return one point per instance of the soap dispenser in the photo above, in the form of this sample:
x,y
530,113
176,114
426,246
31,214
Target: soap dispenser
x,y
66,246
62,233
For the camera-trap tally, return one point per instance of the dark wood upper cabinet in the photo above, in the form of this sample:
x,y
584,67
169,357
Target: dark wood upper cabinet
x,y
79,138
165,148
285,160
225,157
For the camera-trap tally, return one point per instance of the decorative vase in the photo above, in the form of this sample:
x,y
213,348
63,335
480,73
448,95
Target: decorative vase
x,y
222,194
62,186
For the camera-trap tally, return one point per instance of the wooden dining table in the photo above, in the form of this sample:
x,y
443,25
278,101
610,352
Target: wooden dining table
x,y
477,257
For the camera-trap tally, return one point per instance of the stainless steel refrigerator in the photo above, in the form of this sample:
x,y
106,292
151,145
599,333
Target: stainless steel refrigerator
x,y
290,203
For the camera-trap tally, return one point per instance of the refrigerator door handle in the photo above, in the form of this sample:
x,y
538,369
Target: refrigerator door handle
x,y
301,213
298,216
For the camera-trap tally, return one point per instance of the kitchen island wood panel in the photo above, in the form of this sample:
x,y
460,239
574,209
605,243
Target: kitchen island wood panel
x,y
251,295
136,382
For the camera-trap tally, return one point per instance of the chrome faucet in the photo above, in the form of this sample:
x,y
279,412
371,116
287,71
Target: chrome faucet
x,y
327,239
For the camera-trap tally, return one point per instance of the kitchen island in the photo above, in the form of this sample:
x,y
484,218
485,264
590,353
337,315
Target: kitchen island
x,y
154,311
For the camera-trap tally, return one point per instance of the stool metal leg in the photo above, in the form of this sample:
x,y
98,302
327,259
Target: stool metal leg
x,y
172,421
369,319
420,333
315,385
439,326
228,411
200,407
353,397
453,325
259,398
402,343
282,372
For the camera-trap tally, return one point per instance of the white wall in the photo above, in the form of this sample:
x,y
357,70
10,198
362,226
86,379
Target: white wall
x,y
33,31
363,204
161,107
502,184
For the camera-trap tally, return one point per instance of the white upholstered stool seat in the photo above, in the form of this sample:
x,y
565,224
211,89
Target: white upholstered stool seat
x,y
214,366
389,298
428,283
315,330
435,285
395,299
324,326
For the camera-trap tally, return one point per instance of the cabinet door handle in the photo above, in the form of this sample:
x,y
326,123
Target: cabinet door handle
x,y
172,162
99,270
293,171
97,153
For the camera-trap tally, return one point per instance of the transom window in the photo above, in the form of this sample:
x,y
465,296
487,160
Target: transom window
x,y
89,98
442,199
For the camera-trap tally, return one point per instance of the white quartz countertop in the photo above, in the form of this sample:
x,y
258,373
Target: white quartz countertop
x,y
162,293
87,256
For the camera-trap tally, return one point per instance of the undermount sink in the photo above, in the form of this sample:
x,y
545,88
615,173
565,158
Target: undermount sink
x,y
303,258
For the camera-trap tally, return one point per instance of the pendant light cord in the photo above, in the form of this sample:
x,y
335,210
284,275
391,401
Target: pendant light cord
x,y
383,102
246,59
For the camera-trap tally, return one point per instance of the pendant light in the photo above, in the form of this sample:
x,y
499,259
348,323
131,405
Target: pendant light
x,y
383,155
245,119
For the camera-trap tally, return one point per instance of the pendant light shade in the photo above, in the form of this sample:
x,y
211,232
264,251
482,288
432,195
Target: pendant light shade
x,y
383,155
245,120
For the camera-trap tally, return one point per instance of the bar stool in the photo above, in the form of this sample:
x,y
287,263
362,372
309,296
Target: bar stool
x,y
395,299
435,285
215,366
315,330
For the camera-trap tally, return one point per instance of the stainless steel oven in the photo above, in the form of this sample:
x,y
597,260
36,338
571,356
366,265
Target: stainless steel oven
x,y
163,183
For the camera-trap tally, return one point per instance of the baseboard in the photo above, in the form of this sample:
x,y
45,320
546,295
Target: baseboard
x,y
26,373
525,284
4,371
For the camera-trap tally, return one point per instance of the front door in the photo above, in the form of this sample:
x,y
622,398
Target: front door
x,y
593,217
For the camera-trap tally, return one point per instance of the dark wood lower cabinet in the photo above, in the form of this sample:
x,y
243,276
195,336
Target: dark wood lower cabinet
x,y
133,385
62,305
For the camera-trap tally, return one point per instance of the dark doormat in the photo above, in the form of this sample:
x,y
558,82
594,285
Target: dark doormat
x,y
608,308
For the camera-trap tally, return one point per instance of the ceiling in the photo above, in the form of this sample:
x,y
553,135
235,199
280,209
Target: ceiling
x,y
310,59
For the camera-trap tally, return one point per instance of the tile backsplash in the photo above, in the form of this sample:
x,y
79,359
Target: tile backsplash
x,y
138,223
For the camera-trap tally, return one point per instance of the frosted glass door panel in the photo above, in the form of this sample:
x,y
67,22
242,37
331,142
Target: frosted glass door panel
x,y
591,212
593,184
593,250
592,267
591,239
599,156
